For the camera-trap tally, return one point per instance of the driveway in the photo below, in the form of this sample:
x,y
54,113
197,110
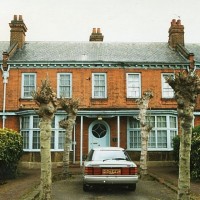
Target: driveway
x,y
71,189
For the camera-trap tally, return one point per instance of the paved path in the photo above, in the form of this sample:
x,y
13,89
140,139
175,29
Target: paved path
x,y
150,189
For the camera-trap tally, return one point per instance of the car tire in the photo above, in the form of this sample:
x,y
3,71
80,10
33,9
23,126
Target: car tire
x,y
132,187
86,188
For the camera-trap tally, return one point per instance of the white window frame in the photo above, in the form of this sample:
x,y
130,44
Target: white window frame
x,y
167,91
58,85
29,131
104,96
171,132
22,90
136,89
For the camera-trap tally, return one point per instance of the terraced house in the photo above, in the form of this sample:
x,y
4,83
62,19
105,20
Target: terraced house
x,y
107,77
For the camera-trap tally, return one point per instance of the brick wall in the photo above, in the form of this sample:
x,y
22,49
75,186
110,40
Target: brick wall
x,y
82,87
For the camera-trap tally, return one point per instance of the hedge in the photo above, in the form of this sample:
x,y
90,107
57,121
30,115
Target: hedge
x,y
11,149
194,154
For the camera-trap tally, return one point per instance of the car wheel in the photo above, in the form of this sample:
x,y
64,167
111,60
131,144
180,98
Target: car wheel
x,y
132,187
86,188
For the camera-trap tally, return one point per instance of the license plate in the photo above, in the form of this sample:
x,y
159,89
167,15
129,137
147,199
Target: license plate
x,y
111,171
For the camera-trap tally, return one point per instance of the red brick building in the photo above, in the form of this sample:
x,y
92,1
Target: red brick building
x,y
107,78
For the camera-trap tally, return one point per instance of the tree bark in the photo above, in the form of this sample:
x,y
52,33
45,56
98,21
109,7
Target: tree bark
x,y
46,99
143,104
186,86
46,176
71,107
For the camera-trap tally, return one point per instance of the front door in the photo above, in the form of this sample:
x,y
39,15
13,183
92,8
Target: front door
x,y
99,134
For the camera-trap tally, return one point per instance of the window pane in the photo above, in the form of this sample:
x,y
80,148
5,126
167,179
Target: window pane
x,y
162,139
36,139
65,85
134,123
133,85
161,122
167,90
134,139
25,122
99,87
172,122
25,136
152,140
150,120
36,120
172,135
29,85
61,139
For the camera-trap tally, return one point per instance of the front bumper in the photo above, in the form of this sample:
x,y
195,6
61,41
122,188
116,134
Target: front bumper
x,y
117,180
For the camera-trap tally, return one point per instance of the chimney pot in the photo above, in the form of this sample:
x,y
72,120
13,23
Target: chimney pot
x,y
178,22
15,18
173,22
98,30
20,18
94,30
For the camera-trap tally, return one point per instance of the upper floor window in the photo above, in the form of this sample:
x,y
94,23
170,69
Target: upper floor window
x,y
133,85
99,87
64,85
167,91
28,84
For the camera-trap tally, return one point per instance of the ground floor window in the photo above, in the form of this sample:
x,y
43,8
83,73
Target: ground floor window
x,y
164,129
31,133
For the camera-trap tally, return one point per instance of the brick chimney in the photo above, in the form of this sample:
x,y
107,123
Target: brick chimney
x,y
176,33
96,35
17,31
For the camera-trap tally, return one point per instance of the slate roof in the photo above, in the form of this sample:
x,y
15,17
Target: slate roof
x,y
95,51
194,48
3,47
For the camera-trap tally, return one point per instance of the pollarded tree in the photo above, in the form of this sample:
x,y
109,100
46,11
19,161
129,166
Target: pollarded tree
x,y
186,85
143,104
46,99
71,107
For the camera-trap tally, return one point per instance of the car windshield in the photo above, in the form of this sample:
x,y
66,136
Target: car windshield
x,y
104,155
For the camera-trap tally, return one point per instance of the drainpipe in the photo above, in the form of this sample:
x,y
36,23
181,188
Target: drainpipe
x,y
5,75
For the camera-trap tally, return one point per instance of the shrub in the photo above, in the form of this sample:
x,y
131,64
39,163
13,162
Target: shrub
x,y
194,154
11,150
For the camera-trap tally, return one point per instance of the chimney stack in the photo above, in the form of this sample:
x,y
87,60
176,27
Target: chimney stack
x,y
17,31
96,35
176,33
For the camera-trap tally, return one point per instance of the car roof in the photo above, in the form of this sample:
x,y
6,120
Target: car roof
x,y
108,149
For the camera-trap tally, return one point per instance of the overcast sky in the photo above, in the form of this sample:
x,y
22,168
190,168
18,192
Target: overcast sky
x,y
119,20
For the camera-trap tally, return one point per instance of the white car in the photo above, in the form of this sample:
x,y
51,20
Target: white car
x,y
109,166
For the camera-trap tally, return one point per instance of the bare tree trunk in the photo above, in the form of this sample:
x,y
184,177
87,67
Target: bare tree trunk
x,y
145,130
186,86
71,107
186,116
45,141
184,166
68,124
45,98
